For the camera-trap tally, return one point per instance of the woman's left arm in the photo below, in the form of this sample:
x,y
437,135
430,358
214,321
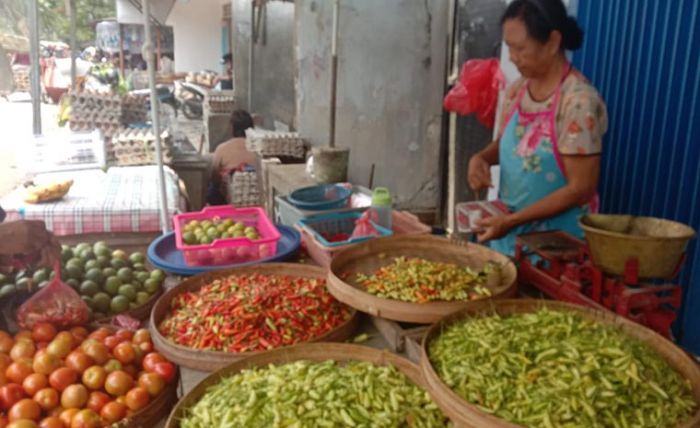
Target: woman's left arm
x,y
582,177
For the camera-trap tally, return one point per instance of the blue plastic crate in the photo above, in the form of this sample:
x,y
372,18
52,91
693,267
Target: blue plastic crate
x,y
321,197
337,223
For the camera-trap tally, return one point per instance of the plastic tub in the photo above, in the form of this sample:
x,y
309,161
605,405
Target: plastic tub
x,y
321,197
322,226
286,213
228,250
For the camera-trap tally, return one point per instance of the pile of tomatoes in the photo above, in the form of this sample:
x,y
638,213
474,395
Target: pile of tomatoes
x,y
77,379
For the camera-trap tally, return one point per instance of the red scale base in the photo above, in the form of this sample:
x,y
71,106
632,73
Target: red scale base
x,y
564,271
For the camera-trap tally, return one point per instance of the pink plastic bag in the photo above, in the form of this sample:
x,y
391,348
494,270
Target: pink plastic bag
x,y
364,227
57,303
476,91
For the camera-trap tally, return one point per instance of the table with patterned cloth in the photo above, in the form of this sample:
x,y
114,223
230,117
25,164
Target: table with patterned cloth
x,y
123,199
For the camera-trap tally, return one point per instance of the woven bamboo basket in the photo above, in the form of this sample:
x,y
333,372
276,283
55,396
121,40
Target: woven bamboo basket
x,y
340,352
214,360
367,257
465,414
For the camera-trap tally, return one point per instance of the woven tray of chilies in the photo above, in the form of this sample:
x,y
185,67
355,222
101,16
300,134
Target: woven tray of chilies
x,y
215,318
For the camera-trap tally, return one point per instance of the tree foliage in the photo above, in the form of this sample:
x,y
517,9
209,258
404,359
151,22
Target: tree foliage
x,y
54,21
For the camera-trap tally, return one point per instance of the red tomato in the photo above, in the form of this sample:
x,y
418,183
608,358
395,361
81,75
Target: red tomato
x,y
118,383
166,370
22,349
22,423
61,378
74,397
150,361
146,347
6,342
100,334
97,351
113,365
51,422
4,421
125,353
11,394
67,415
137,398
25,409
35,382
125,334
60,346
97,401
86,419
47,398
41,346
112,341
66,336
43,332
23,334
79,361
45,363
152,382
5,362
18,371
94,377
113,412
142,335
79,333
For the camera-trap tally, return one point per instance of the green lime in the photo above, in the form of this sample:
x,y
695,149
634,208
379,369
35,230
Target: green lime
x,y
4,279
125,274
103,261
206,224
139,267
75,272
109,271
91,264
66,254
74,283
137,257
228,223
141,297
118,304
221,228
250,229
7,289
103,252
40,276
99,245
252,236
226,235
101,301
238,233
239,226
128,291
193,224
158,275
74,262
112,285
189,238
22,284
142,276
152,285
43,284
96,275
88,301
81,247
117,263
205,240
119,254
212,233
87,254
89,288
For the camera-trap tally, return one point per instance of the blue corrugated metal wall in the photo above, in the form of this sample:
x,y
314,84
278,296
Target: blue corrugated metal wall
x,y
643,56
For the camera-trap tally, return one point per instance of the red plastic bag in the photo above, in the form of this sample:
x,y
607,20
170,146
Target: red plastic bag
x,y
57,303
364,227
476,91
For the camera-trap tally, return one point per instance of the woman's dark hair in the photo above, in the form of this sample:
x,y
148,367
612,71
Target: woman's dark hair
x,y
541,17
240,121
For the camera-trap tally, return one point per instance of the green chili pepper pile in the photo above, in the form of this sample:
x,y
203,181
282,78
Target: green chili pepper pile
x,y
243,313
311,394
555,369
420,280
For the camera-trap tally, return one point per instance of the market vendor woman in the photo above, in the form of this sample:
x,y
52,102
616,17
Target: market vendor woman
x,y
551,130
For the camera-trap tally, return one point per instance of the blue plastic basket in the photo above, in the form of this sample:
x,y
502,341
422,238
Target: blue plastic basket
x,y
321,197
337,223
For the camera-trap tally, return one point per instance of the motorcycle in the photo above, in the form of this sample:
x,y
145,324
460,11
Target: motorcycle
x,y
191,99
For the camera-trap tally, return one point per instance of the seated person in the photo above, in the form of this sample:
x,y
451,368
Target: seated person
x,y
229,156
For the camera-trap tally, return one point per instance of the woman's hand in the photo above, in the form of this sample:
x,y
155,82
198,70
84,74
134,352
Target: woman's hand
x,y
493,227
29,238
479,173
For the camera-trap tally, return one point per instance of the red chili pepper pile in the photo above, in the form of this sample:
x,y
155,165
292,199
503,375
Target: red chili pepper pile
x,y
244,313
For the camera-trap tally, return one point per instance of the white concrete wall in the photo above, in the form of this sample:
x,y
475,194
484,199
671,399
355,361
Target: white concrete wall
x,y
197,28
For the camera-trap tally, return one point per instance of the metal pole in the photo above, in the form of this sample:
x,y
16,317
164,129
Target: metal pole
x,y
35,66
251,56
73,44
334,72
148,55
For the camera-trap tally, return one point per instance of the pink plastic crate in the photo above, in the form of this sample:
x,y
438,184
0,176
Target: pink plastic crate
x,y
228,250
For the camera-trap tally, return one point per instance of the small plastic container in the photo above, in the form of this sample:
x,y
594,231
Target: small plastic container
x,y
323,226
381,206
228,250
321,197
